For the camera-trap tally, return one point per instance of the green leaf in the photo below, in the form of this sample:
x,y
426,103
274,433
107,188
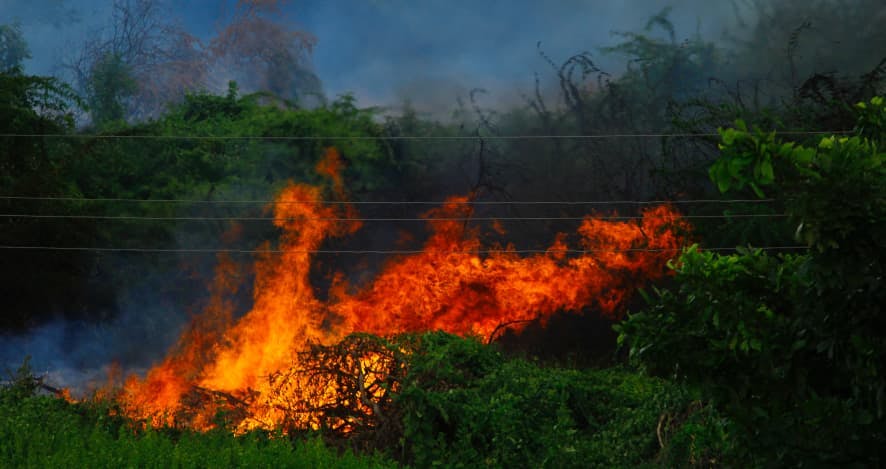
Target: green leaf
x,y
736,166
757,190
766,171
756,345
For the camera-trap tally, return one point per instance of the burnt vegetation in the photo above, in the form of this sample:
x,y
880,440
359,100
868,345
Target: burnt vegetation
x,y
769,355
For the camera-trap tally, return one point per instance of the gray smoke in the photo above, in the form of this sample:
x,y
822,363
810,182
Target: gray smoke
x,y
79,354
428,52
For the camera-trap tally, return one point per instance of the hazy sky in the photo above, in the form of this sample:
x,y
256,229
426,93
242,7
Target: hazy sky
x,y
384,50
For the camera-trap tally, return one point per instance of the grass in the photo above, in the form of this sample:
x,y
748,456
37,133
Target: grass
x,y
43,431
466,406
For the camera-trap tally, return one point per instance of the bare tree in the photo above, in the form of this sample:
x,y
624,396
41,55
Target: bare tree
x,y
144,60
157,55
276,56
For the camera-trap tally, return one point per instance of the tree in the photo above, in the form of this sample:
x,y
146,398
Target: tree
x,y
274,57
36,284
164,62
810,37
109,88
142,55
13,48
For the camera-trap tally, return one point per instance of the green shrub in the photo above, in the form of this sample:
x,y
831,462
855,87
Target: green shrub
x,y
790,347
44,431
464,405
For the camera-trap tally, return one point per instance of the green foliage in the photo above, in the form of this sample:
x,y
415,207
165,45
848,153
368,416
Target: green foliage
x,y
834,190
110,83
464,405
665,69
872,119
22,382
743,151
42,431
36,105
154,165
791,347
256,163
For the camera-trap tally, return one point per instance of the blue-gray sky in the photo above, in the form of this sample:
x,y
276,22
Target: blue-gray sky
x,y
387,50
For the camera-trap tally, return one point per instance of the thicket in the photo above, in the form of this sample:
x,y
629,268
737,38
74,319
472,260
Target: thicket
x,y
462,404
450,401
45,431
790,346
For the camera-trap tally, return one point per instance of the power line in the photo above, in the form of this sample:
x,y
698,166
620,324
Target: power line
x,y
400,137
369,251
386,202
149,218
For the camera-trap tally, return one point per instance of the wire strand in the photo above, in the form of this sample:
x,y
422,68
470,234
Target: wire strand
x,y
149,218
388,202
401,137
370,251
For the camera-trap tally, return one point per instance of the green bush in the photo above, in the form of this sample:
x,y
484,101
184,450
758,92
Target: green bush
x,y
790,347
460,404
464,405
44,431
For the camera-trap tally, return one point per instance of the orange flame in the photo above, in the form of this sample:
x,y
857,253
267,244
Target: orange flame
x,y
453,284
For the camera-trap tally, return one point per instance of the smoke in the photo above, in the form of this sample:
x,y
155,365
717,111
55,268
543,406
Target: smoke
x,y
428,52
431,52
51,27
79,355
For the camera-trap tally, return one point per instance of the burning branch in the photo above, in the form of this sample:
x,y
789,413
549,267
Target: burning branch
x,y
503,326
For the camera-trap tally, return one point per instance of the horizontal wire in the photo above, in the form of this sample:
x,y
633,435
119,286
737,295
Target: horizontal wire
x,y
364,251
148,218
401,137
389,202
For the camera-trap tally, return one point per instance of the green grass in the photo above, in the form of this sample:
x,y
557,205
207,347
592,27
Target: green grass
x,y
42,431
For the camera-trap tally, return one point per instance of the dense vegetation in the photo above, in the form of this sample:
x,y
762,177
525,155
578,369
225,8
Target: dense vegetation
x,y
43,431
762,357
460,404
791,343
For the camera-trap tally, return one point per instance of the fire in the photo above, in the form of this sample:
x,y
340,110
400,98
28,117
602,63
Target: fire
x,y
450,286
453,284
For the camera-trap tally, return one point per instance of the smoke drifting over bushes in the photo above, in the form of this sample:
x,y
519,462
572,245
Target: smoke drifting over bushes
x,y
432,54
428,52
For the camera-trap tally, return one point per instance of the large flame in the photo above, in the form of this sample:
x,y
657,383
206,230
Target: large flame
x,y
454,284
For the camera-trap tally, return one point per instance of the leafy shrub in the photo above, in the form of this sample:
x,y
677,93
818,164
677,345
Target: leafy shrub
x,y
462,404
465,405
44,431
791,347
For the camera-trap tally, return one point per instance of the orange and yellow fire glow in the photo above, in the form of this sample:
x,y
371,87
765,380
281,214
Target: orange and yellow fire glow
x,y
454,284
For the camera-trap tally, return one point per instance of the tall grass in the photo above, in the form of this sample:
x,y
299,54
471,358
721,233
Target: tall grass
x,y
43,431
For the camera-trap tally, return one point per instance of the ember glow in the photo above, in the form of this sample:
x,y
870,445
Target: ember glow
x,y
454,284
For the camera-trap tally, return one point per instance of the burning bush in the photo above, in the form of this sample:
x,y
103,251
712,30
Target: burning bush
x,y
439,399
270,369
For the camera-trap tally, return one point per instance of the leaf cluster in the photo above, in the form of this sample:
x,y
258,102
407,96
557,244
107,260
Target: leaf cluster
x,y
464,404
